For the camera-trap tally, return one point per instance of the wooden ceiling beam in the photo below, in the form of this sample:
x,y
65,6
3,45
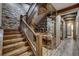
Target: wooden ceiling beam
x,y
68,8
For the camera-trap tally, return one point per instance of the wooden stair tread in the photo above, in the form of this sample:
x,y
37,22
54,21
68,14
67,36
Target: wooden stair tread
x,y
12,35
10,41
17,51
14,45
27,53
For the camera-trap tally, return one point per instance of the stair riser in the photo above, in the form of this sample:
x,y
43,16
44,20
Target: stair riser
x,y
11,30
8,33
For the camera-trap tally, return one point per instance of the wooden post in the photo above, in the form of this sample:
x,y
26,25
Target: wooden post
x,y
21,16
39,45
0,14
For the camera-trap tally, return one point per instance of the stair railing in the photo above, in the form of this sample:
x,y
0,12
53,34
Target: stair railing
x,y
34,39
29,9
31,12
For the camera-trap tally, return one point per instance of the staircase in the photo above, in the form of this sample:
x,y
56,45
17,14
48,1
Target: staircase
x,y
15,44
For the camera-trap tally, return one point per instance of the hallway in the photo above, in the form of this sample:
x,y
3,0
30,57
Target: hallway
x,y
39,29
68,47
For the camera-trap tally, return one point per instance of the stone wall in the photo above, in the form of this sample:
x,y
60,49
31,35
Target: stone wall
x,y
77,29
11,14
0,13
1,31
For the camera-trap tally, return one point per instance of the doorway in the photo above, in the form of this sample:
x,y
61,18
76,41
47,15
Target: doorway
x,y
70,29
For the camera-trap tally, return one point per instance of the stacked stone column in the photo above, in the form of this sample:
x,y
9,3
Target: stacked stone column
x,y
58,29
77,28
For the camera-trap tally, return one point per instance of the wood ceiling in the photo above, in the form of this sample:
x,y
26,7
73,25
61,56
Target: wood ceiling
x,y
65,8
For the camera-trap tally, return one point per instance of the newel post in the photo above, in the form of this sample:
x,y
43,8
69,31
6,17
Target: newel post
x,y
21,16
39,45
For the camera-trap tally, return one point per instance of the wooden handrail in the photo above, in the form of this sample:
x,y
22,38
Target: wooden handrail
x,y
38,36
32,29
29,27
